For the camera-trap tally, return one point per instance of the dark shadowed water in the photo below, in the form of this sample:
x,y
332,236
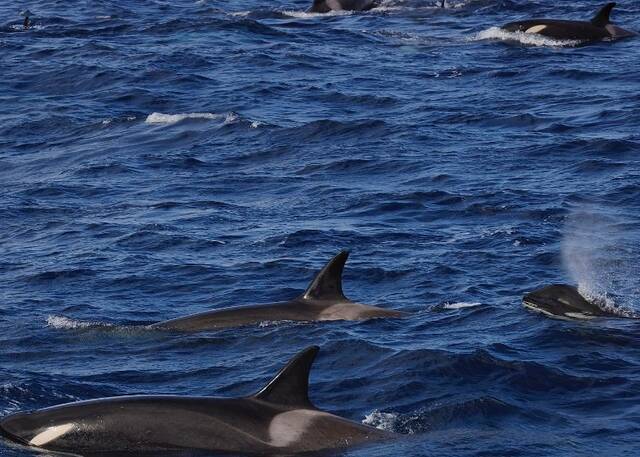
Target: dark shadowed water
x,y
159,158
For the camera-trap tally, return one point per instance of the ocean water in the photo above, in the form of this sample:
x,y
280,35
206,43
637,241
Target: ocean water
x,y
161,158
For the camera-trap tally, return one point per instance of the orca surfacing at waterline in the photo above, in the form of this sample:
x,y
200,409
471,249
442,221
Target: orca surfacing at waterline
x,y
322,301
325,6
278,420
598,29
564,302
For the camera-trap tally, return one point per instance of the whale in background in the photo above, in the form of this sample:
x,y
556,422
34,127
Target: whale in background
x,y
322,301
565,302
278,420
325,6
598,29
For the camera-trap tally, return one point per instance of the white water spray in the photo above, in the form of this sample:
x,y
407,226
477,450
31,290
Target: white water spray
x,y
601,259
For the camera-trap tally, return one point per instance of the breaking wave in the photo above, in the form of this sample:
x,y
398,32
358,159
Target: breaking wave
x,y
530,39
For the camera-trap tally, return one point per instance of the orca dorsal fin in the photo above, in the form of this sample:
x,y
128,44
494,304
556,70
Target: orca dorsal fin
x,y
290,387
602,17
327,285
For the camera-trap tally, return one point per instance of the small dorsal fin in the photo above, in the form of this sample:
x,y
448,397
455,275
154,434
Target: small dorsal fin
x,y
327,285
290,387
602,17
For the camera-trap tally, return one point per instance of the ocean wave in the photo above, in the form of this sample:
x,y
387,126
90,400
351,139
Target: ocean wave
x,y
445,414
606,302
111,120
415,6
382,420
168,119
65,323
461,305
395,133
308,15
60,275
230,118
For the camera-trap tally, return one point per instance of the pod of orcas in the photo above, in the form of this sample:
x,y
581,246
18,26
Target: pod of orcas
x,y
324,300
597,29
278,420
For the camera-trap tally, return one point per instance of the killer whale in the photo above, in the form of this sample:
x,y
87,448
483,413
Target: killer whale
x,y
565,302
599,28
323,300
325,6
280,419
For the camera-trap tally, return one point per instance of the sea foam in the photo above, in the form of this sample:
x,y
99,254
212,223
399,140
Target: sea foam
x,y
460,305
162,118
65,323
531,39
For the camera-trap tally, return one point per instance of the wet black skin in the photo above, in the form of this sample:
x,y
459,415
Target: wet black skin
x,y
166,425
295,310
322,301
147,424
598,29
562,30
563,300
324,6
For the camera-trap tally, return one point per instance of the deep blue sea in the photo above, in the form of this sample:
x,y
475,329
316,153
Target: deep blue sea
x,y
160,158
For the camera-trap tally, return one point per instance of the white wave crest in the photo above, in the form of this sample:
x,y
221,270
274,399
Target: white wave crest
x,y
386,7
64,323
264,324
161,118
605,302
460,305
601,258
170,119
392,5
230,118
109,120
20,27
383,421
306,15
531,39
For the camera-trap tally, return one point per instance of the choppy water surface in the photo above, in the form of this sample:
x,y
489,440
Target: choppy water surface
x,y
163,158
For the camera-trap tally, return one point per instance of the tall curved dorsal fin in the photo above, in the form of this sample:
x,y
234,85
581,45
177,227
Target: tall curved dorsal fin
x,y
327,285
602,17
290,387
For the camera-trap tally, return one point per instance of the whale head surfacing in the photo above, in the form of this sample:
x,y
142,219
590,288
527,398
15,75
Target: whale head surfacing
x,y
564,302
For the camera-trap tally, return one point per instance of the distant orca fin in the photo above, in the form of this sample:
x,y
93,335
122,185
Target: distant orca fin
x,y
290,387
327,285
602,17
